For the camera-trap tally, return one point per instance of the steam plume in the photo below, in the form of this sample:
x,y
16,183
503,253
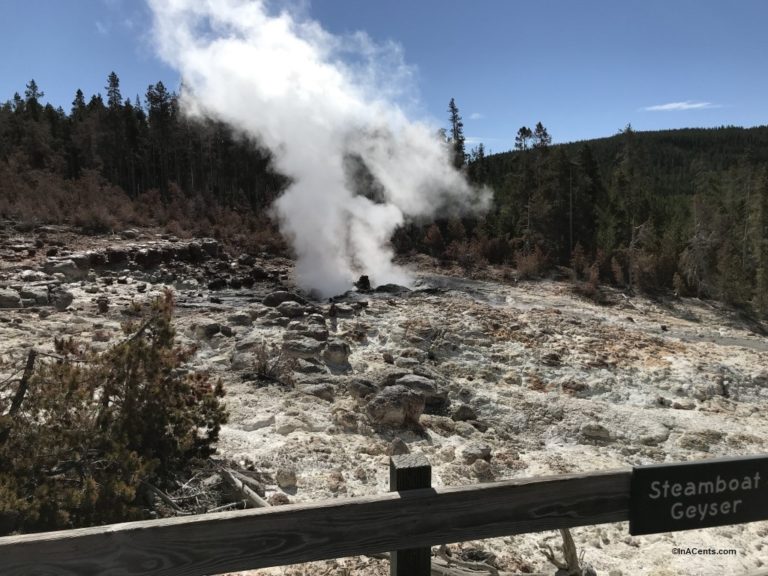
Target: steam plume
x,y
326,106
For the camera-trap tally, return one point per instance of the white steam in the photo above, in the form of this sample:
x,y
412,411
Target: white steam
x,y
324,105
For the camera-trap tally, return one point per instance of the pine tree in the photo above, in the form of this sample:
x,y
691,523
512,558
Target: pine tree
x,y
78,106
32,96
457,134
524,134
114,98
541,138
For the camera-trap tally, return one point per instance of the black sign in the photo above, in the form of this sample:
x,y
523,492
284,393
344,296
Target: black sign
x,y
670,497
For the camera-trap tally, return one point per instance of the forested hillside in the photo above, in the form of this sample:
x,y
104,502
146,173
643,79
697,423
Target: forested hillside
x,y
683,210
120,162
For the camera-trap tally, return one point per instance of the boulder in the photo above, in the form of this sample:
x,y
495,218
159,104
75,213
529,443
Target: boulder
x,y
476,451
245,259
284,425
336,355
291,309
148,257
315,332
9,298
397,447
303,347
274,299
323,391
392,375
286,477
363,284
210,247
361,388
307,367
481,469
396,406
116,256
594,432
208,330
240,319
433,395
341,311
464,412
218,283
258,273
67,268
391,289
61,299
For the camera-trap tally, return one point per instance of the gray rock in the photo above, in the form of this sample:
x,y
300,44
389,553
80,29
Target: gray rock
x,y
416,353
240,319
276,298
361,388
9,298
287,424
476,451
209,330
246,259
402,362
316,333
398,447
391,375
38,294
433,395
341,311
278,499
316,320
482,470
336,355
241,361
395,406
291,309
286,477
391,289
593,432
323,391
210,247
66,267
464,412
130,234
61,299
303,347
258,423
306,367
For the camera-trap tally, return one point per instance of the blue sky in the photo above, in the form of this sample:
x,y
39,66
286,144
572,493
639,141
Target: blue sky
x,y
585,69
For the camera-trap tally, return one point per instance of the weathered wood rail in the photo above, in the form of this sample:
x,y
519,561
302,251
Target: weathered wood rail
x,y
397,521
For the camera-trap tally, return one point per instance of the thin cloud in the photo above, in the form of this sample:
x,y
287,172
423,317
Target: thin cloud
x,y
677,106
102,28
480,140
476,116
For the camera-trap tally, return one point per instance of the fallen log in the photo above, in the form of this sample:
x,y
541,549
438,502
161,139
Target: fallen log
x,y
252,499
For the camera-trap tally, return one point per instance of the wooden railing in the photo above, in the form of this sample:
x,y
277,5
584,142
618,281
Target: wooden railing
x,y
406,522
402,521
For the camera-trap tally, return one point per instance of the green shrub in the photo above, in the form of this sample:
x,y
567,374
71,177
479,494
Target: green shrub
x,y
93,430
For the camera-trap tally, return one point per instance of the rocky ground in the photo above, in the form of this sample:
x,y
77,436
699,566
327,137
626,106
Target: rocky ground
x,y
488,379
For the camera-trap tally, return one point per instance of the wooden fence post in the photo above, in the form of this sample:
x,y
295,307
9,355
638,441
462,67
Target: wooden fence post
x,y
409,472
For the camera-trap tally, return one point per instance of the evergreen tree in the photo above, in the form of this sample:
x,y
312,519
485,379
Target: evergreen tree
x,y
78,106
457,134
32,96
541,138
114,98
524,134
